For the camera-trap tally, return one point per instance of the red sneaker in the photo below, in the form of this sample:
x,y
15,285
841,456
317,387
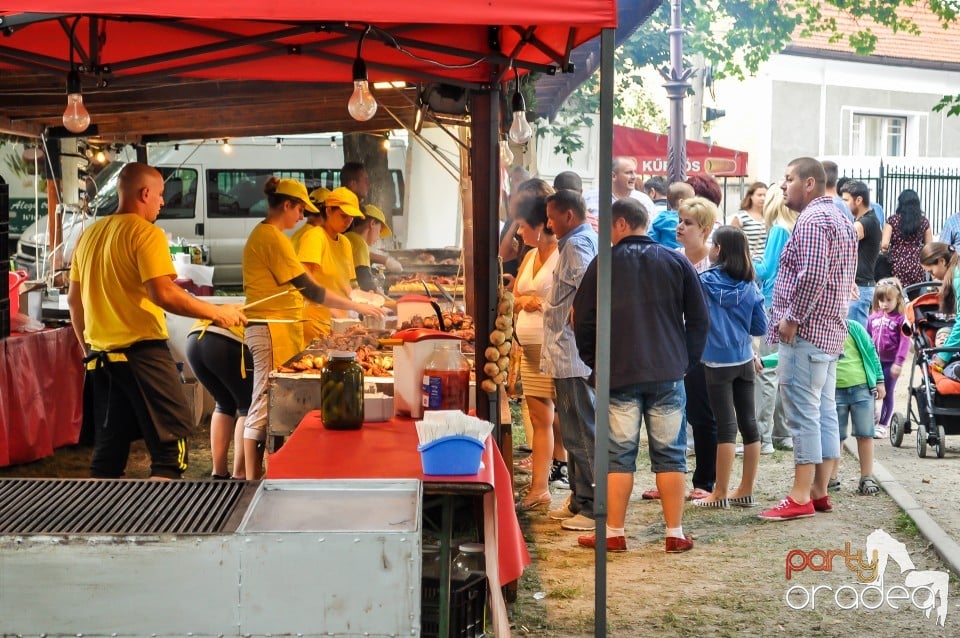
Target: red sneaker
x,y
614,543
651,495
788,509
678,545
822,504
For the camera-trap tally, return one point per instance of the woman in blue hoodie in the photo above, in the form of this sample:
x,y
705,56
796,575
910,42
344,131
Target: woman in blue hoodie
x,y
736,314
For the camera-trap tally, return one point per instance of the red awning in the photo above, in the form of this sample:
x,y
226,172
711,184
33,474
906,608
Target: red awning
x,y
650,151
287,40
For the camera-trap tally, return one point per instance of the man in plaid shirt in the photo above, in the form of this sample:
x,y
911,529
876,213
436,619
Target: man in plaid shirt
x,y
810,298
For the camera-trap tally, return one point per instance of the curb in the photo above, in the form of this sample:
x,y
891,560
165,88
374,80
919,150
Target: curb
x,y
945,546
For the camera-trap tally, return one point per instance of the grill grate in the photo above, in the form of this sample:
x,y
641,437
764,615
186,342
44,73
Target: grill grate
x,y
100,506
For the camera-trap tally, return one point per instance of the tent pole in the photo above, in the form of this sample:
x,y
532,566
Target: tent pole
x,y
485,174
607,47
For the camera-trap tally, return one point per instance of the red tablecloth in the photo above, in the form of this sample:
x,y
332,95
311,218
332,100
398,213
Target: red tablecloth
x,y
389,450
41,394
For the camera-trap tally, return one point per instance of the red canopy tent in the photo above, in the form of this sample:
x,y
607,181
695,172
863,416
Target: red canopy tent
x,y
650,151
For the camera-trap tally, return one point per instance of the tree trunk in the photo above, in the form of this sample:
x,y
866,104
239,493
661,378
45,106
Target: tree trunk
x,y
368,149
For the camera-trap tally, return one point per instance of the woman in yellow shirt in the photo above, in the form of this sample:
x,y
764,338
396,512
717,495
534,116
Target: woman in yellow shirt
x,y
274,332
364,233
327,255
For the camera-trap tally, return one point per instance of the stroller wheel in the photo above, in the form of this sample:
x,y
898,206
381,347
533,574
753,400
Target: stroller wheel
x,y
921,440
941,446
896,429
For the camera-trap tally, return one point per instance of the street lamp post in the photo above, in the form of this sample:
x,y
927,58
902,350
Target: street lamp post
x,y
677,83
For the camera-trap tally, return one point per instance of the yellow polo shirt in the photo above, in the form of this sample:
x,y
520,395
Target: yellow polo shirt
x,y
113,260
334,257
361,250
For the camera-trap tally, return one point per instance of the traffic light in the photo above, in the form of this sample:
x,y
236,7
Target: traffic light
x,y
713,114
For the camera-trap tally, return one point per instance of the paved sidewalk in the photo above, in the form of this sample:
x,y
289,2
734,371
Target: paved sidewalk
x,y
924,488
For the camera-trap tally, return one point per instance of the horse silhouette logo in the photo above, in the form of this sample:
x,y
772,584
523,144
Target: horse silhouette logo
x,y
924,589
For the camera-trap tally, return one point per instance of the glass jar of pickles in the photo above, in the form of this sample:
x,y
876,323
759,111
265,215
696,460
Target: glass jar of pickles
x,y
342,387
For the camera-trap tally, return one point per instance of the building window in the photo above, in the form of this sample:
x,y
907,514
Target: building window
x,y
878,135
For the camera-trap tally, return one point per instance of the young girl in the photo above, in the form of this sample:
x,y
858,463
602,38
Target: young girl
x,y
736,314
884,325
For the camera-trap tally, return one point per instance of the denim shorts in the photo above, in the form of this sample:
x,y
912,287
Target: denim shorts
x,y
808,379
661,405
855,404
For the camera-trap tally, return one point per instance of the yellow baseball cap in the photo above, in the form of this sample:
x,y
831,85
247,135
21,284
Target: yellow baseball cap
x,y
372,211
295,189
317,195
344,199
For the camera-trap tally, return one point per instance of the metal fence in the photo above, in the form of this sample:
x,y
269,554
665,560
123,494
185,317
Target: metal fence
x,y
939,189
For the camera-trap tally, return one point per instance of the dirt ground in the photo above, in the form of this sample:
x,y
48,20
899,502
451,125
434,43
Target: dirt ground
x,y
732,584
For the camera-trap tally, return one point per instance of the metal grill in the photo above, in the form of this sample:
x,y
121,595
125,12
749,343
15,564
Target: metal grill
x,y
97,506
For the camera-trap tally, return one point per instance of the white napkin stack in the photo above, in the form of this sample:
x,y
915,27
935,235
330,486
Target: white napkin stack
x,y
443,423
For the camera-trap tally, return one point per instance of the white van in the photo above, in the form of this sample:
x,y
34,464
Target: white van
x,y
214,196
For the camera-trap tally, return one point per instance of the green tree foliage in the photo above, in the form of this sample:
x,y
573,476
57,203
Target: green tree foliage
x,y
735,37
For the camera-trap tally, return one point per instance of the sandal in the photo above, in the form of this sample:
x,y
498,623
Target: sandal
x,y
697,494
833,485
542,503
869,486
524,465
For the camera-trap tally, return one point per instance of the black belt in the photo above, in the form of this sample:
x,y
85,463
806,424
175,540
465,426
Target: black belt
x,y
870,282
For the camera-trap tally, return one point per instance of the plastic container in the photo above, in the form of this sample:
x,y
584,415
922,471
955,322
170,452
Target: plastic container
x,y
446,379
455,455
14,279
468,561
342,392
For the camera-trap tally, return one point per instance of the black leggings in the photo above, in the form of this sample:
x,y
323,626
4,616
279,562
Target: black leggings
x,y
704,427
216,360
731,394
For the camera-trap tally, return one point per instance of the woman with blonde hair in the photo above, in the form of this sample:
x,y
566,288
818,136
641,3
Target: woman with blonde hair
x,y
779,220
697,218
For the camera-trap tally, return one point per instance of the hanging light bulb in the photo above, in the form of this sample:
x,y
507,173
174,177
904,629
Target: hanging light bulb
x,y
76,118
520,130
100,157
506,155
227,148
279,143
386,142
333,141
362,105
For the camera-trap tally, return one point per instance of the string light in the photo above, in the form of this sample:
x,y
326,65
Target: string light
x,y
227,148
76,118
362,105
279,143
520,130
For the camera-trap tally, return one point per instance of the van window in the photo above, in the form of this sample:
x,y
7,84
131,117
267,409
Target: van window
x,y
239,192
179,193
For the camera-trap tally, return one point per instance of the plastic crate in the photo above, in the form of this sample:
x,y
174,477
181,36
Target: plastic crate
x,y
468,599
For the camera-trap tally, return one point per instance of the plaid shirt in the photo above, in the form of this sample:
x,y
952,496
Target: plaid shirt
x,y
815,279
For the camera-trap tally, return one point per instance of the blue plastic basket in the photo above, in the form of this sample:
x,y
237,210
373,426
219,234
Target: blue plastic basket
x,y
455,455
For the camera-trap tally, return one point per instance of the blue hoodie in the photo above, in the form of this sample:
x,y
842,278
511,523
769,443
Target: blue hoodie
x,y
736,313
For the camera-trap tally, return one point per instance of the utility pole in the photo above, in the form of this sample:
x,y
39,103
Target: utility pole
x,y
676,84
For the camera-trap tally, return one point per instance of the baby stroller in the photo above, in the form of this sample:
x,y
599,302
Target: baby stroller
x,y
933,401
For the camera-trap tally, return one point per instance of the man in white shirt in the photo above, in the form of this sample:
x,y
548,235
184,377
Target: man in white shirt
x,y
624,182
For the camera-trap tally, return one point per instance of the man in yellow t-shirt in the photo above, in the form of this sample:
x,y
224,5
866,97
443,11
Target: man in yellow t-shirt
x,y
121,281
327,255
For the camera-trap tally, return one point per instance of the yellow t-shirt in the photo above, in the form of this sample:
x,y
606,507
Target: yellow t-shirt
x,y
335,259
361,250
269,263
113,260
